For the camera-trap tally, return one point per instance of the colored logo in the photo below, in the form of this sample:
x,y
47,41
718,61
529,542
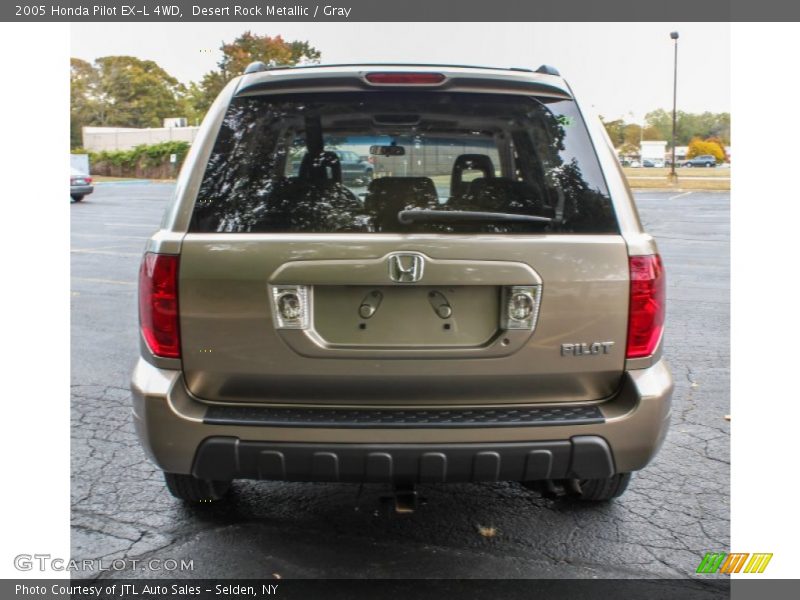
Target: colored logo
x,y
742,562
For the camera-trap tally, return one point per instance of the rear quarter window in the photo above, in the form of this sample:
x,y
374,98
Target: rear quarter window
x,y
350,162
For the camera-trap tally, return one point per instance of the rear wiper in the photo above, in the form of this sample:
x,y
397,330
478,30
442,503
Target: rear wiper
x,y
407,217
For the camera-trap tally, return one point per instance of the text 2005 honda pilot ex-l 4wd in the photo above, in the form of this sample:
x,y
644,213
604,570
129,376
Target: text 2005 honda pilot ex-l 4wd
x,y
486,307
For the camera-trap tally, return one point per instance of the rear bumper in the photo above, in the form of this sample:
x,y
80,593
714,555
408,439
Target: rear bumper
x,y
582,457
184,435
80,190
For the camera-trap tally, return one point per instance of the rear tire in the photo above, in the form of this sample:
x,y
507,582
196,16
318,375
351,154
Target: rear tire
x,y
601,490
77,197
581,490
191,489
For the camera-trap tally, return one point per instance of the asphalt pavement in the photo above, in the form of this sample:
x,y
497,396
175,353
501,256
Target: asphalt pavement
x,y
674,511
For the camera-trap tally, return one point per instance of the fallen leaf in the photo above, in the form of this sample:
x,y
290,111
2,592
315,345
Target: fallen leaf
x,y
487,532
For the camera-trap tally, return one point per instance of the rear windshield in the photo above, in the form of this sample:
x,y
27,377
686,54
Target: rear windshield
x,y
353,162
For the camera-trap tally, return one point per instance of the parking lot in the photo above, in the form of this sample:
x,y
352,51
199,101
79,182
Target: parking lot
x,y
673,513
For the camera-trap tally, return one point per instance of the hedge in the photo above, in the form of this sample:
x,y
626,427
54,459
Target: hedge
x,y
149,161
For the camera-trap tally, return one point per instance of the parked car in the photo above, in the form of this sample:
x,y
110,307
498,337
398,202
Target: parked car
x,y
704,160
510,331
355,169
652,162
80,184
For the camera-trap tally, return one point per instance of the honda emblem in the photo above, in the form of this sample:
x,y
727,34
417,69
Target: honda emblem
x,y
406,268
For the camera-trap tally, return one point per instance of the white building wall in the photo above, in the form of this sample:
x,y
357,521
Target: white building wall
x,y
654,149
98,139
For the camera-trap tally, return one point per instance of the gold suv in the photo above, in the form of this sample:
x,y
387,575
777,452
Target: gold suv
x,y
485,306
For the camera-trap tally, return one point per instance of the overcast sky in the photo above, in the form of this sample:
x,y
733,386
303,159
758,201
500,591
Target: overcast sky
x,y
620,68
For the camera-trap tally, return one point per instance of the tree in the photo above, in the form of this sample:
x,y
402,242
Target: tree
x,y
632,134
82,95
659,122
121,91
136,93
698,147
247,48
689,126
629,150
614,130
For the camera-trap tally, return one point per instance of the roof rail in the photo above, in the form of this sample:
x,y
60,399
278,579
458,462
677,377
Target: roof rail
x,y
548,70
255,67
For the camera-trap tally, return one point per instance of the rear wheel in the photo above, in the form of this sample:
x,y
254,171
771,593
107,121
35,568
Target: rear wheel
x,y
602,490
192,489
77,197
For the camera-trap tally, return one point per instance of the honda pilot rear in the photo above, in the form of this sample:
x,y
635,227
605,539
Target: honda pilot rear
x,y
483,306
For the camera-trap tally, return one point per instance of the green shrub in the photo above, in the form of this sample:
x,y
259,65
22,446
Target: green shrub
x,y
144,156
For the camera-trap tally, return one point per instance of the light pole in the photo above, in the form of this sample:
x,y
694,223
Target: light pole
x,y
672,175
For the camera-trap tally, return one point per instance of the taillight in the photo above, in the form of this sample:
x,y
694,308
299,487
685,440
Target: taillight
x,y
405,78
158,304
647,305
88,179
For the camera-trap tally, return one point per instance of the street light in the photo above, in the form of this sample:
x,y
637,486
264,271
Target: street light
x,y
674,35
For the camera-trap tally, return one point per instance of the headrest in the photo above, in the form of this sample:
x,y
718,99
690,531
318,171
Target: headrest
x,y
468,162
323,167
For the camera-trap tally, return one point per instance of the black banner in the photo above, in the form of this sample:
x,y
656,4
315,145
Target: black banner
x,y
375,589
400,10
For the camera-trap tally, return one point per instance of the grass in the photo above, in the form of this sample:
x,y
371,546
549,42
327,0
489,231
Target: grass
x,y
688,179
684,184
683,172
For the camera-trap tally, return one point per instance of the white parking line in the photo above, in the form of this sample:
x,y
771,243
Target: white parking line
x,y
145,225
105,248
112,236
111,281
680,195
106,252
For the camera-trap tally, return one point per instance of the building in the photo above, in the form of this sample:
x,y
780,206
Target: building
x,y
98,139
654,150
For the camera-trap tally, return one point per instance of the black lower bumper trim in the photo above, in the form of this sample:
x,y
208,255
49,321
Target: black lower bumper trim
x,y
581,457
402,418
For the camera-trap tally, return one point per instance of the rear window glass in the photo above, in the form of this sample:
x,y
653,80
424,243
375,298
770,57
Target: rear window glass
x,y
353,162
